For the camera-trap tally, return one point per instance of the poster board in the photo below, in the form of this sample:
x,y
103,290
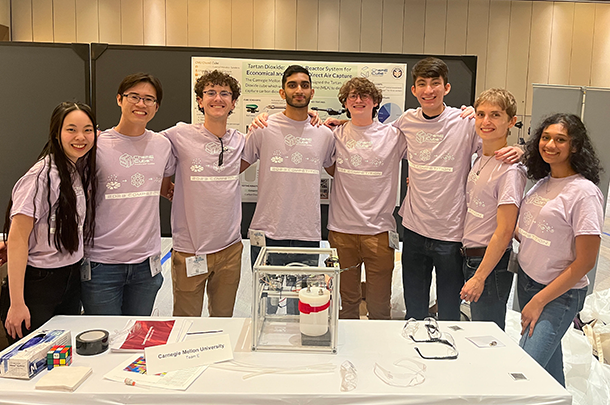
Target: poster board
x,y
261,79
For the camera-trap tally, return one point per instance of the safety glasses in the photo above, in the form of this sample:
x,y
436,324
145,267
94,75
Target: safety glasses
x,y
450,352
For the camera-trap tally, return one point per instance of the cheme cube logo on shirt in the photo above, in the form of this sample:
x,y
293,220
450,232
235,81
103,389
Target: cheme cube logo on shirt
x,y
127,160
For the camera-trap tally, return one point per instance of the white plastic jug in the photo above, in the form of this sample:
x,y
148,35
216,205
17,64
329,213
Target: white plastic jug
x,y
313,305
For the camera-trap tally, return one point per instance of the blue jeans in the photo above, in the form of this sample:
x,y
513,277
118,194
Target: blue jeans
x,y
419,255
544,345
491,305
120,289
292,305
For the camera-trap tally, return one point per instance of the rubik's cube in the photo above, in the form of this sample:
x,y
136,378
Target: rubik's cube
x,y
59,356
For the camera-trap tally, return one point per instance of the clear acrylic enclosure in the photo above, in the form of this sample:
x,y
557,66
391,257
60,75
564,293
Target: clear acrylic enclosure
x,y
296,300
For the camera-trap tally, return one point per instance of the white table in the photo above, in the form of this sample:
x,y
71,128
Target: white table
x,y
478,376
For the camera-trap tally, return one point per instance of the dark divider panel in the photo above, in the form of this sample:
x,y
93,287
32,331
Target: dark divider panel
x,y
34,78
172,65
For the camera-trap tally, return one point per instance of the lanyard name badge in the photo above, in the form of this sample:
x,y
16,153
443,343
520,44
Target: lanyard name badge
x,y
393,240
85,270
257,238
155,265
196,265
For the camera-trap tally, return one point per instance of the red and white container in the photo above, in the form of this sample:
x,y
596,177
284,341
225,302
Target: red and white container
x,y
313,306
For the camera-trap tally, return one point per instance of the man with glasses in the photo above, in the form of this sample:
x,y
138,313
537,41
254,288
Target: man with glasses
x,y
360,220
125,269
292,153
206,207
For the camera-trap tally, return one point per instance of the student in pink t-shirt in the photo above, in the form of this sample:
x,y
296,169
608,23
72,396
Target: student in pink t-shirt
x,y
362,200
559,227
440,147
206,207
292,154
125,266
493,194
48,214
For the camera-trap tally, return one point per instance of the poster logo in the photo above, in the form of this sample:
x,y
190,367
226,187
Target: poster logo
x,y
397,72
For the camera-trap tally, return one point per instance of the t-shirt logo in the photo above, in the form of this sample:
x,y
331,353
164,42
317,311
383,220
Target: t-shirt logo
x,y
127,160
113,182
536,200
422,137
292,140
212,148
137,180
196,165
353,144
296,158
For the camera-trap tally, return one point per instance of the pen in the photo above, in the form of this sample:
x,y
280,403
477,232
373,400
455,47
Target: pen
x,y
204,332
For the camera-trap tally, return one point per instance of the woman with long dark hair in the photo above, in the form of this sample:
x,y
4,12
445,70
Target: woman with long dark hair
x,y
50,213
559,227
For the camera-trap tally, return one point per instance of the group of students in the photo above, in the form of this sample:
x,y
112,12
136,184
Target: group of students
x,y
459,217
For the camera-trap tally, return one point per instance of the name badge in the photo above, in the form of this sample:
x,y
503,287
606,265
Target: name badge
x,y
257,238
393,240
191,353
85,270
155,265
196,265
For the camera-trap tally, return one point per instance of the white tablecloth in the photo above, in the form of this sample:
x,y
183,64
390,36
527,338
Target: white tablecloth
x,y
478,376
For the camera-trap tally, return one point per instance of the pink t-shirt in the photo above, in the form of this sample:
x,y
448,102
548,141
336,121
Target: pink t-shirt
x,y
31,191
129,173
292,154
206,209
439,151
365,185
552,214
496,184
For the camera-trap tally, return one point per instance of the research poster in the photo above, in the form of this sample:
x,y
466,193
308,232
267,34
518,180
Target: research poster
x,y
260,83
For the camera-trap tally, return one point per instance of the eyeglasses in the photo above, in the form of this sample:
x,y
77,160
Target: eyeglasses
x,y
213,93
434,336
135,99
354,96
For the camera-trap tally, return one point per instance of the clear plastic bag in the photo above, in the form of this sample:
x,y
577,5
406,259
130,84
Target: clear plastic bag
x,y
587,379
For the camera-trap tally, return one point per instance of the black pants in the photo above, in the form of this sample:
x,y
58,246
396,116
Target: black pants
x,y
47,292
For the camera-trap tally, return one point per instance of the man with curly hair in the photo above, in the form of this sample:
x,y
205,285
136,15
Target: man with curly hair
x,y
206,208
362,200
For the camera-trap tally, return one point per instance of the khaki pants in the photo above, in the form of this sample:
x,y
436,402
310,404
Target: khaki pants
x,y
222,278
378,259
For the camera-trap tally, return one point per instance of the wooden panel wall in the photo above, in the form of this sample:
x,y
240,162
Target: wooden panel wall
x,y
518,42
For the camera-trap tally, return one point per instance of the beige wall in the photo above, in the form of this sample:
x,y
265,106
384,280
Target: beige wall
x,y
5,12
518,42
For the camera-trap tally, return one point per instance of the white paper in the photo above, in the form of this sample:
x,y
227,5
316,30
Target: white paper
x,y
190,353
64,378
134,370
485,341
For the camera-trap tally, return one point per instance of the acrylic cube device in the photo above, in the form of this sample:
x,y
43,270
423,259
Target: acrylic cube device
x,y
295,300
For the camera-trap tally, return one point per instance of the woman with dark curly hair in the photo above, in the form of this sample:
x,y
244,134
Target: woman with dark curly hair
x,y
559,227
